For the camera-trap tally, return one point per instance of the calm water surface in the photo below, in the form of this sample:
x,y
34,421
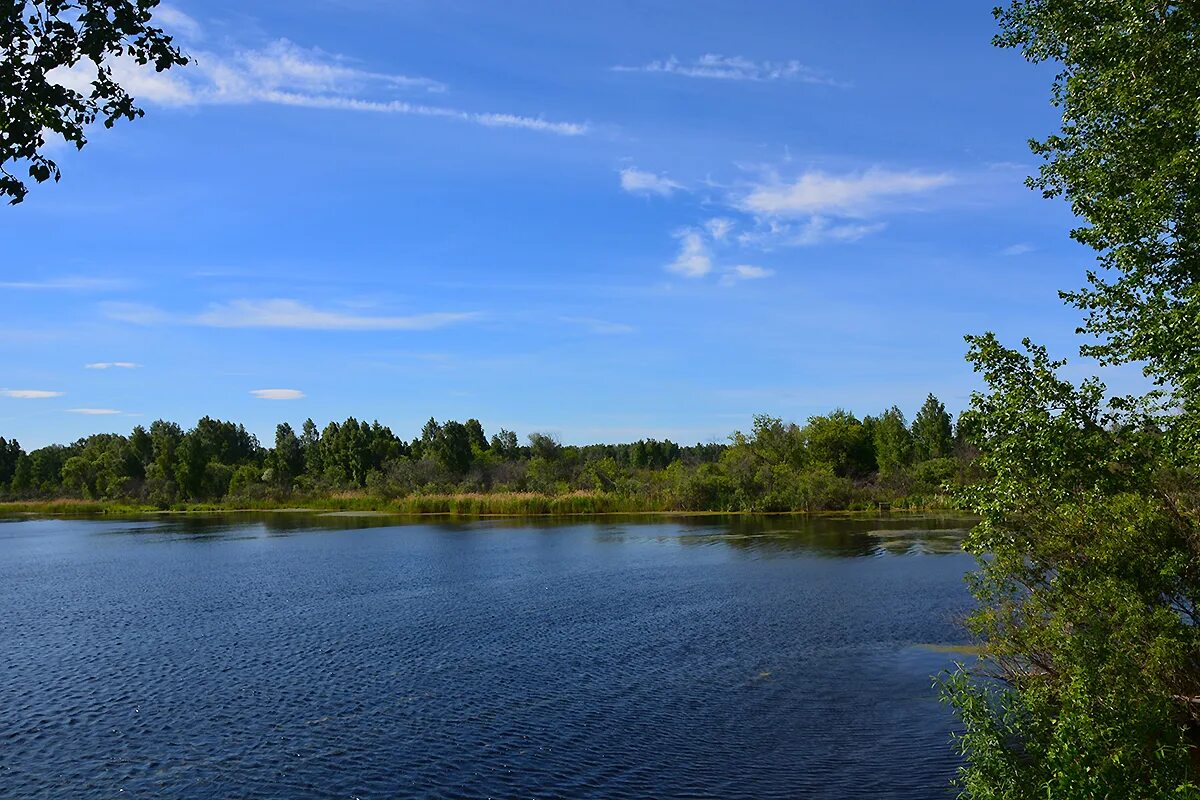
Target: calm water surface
x,y
297,655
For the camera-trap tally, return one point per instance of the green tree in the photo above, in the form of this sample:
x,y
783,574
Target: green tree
x,y
41,38
545,446
772,441
1088,583
1126,159
10,454
310,443
839,441
931,432
287,459
505,444
191,458
1089,593
142,445
430,431
452,448
475,432
893,442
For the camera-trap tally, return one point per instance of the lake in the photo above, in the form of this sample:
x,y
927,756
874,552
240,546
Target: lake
x,y
295,655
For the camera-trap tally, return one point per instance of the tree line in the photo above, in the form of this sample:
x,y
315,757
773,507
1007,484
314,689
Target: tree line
x,y
833,461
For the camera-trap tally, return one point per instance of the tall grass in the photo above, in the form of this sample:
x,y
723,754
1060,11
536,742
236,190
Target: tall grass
x,y
470,504
516,504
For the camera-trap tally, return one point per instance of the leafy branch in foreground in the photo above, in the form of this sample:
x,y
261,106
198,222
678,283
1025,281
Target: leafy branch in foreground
x,y
1089,585
46,43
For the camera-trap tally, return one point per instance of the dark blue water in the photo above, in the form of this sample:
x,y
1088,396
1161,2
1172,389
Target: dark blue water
x,y
289,656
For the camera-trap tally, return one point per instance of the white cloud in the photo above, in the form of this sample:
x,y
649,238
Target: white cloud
x,y
112,365
719,227
95,412
745,272
1019,249
285,66
850,195
599,326
733,68
281,313
30,394
773,233
283,73
176,23
636,181
277,394
488,120
694,259
284,313
748,272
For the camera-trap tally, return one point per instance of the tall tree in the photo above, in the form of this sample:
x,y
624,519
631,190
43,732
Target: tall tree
x,y
840,442
287,458
893,442
545,446
41,41
1089,545
505,444
931,431
452,447
310,443
475,434
1127,159
10,454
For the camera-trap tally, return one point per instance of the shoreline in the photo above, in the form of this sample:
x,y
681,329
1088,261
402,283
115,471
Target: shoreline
x,y
541,506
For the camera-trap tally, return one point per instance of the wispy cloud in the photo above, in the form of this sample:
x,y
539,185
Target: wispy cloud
x,y
30,394
284,313
95,412
714,66
771,233
694,259
719,227
177,23
489,120
1019,249
816,208
286,74
813,208
599,326
67,283
277,394
112,365
749,272
635,181
851,195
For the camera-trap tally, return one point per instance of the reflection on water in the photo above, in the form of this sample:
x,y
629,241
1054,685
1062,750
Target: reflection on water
x,y
284,655
850,536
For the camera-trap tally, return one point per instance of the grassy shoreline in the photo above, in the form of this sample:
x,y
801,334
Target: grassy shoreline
x,y
522,504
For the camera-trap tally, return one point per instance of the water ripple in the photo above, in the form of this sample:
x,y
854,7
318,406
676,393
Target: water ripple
x,y
465,661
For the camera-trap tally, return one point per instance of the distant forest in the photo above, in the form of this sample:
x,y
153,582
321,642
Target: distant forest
x,y
832,462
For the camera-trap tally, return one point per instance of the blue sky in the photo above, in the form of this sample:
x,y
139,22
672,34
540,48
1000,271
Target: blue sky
x,y
605,220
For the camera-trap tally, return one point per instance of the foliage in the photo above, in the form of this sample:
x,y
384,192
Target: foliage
x,y
1090,590
893,442
826,464
931,433
1089,547
42,39
1127,159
